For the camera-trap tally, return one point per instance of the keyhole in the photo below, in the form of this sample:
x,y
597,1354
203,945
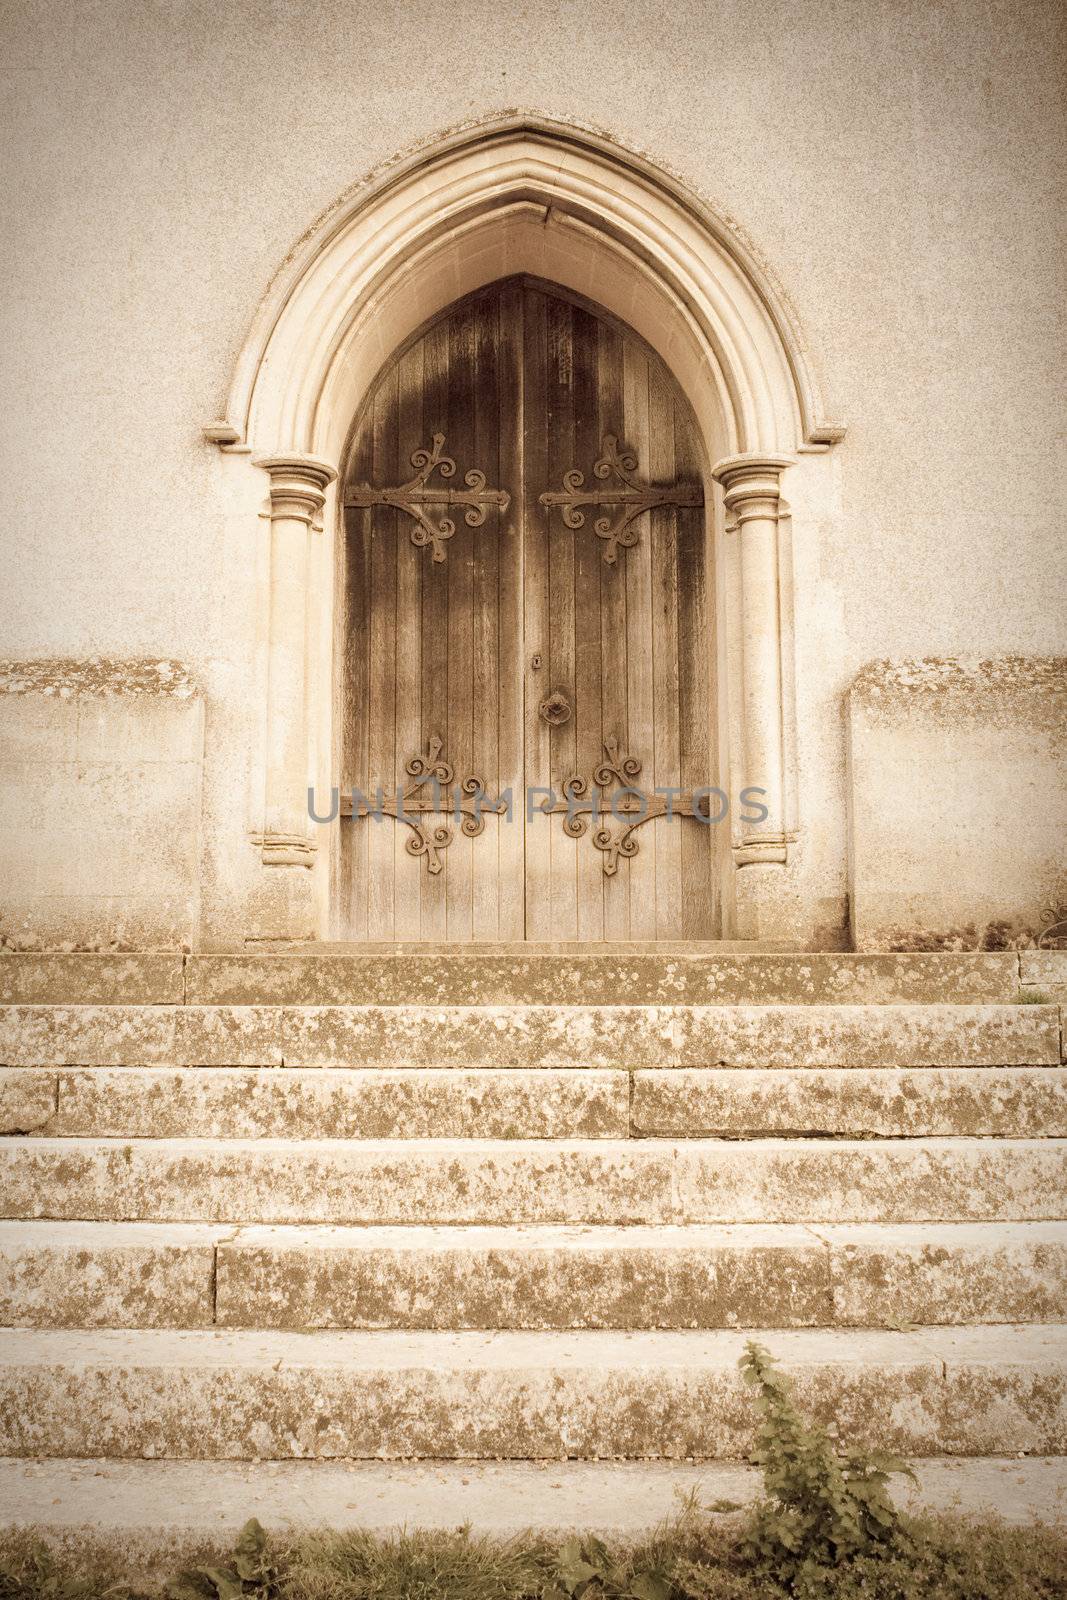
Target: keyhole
x,y
536,662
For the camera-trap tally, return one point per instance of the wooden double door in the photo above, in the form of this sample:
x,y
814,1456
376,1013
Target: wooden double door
x,y
526,619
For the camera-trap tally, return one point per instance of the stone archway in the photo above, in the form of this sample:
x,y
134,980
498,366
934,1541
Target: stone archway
x,y
518,196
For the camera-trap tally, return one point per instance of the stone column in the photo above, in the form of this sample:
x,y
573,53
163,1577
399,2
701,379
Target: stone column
x,y
751,495
297,495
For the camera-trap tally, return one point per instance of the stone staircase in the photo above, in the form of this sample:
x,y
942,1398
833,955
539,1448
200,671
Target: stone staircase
x,y
510,1206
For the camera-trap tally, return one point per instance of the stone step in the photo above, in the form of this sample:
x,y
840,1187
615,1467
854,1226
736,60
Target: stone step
x,y
619,1036
543,1103
580,1181
667,1277
108,1274
579,976
150,1513
521,974
889,1102
318,1102
396,1396
141,1275
92,978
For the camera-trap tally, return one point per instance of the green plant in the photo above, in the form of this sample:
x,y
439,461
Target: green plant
x,y
253,1574
822,1509
1033,997
586,1568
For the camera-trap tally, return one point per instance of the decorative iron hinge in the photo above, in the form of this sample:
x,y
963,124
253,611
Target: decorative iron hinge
x,y
430,771
413,496
1053,935
621,773
634,497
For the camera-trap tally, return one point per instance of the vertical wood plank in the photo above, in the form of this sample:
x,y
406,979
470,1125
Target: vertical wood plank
x,y
410,563
665,651
485,600
567,352
381,700
458,572
589,663
535,611
510,651
639,652
434,664
613,626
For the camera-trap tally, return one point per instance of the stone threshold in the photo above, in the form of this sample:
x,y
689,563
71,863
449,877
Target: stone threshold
x,y
499,974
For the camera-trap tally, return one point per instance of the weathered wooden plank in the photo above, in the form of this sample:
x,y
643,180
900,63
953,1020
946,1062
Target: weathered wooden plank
x,y
435,419
458,573
381,698
613,634
568,354
485,619
639,648
408,870
511,843
665,653
536,612
588,662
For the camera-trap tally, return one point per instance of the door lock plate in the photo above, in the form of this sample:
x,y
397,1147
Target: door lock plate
x,y
555,710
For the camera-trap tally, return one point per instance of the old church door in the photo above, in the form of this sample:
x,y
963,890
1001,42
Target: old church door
x,y
526,619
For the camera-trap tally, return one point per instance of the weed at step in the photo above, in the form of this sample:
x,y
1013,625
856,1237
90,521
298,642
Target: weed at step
x,y
821,1509
252,1573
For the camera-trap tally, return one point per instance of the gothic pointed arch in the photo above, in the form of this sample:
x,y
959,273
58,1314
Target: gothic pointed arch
x,y
522,195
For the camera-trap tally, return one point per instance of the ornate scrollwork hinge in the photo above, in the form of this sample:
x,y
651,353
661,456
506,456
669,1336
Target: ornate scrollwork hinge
x,y
1053,935
413,496
620,773
634,497
411,805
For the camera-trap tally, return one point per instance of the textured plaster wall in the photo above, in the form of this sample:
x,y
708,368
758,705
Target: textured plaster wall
x,y
900,168
958,786
100,773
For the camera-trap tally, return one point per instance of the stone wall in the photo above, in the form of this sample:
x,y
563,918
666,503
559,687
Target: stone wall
x,y
958,791
896,169
100,775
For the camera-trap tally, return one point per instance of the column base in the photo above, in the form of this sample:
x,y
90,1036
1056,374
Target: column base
x,y
282,908
285,849
767,849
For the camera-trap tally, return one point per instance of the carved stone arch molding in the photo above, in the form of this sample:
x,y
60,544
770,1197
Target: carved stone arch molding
x,y
521,195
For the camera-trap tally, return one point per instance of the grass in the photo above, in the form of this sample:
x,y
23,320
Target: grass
x,y
693,1558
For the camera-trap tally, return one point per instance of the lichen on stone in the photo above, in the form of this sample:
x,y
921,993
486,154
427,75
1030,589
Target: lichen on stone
x,y
961,675
66,676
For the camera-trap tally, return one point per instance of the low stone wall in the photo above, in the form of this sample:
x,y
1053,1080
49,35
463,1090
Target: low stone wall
x,y
958,802
100,779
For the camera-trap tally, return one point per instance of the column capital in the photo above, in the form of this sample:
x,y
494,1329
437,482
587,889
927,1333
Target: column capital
x,y
751,484
297,485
